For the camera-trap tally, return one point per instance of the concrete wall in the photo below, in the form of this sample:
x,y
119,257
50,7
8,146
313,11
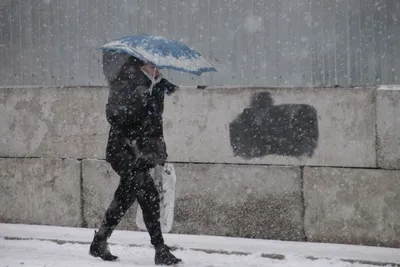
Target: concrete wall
x,y
286,126
214,199
53,123
40,191
388,131
352,206
297,126
324,166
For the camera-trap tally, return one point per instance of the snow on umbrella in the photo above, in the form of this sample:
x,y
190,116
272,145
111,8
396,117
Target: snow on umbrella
x,y
162,53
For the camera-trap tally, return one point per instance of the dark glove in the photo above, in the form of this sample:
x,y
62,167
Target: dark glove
x,y
168,87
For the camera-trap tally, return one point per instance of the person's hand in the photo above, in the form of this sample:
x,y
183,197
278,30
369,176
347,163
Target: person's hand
x,y
168,86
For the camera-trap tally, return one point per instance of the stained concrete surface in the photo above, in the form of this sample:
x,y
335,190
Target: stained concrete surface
x,y
353,206
40,191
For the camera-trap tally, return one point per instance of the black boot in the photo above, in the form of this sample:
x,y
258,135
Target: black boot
x,y
100,248
164,257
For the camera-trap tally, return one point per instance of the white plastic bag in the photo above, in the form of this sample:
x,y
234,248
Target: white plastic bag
x,y
165,180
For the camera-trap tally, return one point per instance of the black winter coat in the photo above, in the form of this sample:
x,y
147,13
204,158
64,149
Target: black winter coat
x,y
135,114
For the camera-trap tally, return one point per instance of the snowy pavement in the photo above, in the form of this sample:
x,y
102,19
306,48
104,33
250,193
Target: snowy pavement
x,y
28,246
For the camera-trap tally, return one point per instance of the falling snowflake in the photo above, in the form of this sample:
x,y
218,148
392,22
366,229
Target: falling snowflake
x,y
253,23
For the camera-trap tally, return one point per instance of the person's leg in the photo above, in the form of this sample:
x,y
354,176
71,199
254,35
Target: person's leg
x,y
124,197
134,183
149,201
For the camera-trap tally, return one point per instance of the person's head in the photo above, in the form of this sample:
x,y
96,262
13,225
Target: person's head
x,y
150,69
119,67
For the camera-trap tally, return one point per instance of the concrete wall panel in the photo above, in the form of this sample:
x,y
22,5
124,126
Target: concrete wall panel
x,y
354,206
212,199
284,126
40,191
387,126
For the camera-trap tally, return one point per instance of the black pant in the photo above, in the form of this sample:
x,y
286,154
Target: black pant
x,y
134,184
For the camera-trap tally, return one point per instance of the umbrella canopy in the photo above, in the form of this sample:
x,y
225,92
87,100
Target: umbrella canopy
x,y
162,53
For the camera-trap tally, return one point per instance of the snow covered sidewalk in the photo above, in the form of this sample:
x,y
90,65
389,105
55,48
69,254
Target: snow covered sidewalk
x,y
31,245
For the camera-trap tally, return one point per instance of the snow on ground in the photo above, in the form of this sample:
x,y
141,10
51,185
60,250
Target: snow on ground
x,y
33,253
134,250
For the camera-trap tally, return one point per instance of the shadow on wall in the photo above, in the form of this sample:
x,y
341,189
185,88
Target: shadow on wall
x,y
265,129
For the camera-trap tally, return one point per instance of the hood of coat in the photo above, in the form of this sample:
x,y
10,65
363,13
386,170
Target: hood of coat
x,y
123,68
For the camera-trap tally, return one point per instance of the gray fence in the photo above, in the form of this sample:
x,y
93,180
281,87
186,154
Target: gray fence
x,y
254,42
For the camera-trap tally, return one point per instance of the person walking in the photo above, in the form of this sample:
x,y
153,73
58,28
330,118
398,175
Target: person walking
x,y
135,145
